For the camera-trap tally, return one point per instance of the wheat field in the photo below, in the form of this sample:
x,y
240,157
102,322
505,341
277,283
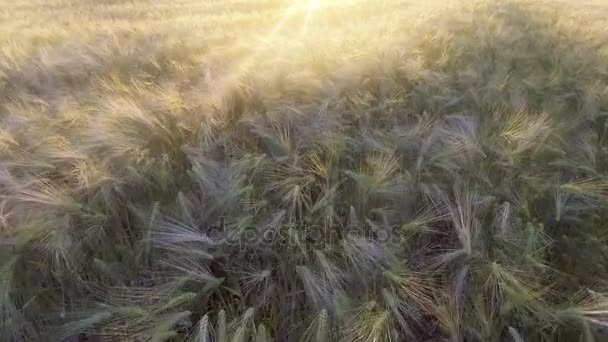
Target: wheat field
x,y
303,170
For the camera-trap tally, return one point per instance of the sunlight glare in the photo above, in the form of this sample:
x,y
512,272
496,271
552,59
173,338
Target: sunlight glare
x,y
312,5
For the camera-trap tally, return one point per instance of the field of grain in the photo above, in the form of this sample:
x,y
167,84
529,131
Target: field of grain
x,y
303,170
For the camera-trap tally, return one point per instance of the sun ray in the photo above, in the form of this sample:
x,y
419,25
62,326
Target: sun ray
x,y
312,6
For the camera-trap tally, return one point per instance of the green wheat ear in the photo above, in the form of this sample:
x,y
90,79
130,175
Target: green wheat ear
x,y
319,328
242,325
322,332
222,335
515,335
262,334
203,330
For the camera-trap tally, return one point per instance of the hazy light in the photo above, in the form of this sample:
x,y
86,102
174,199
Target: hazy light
x,y
312,5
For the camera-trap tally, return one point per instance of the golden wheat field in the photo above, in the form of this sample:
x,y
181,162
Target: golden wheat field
x,y
303,170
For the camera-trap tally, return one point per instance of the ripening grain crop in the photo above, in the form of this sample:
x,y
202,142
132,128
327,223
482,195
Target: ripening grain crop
x,y
312,170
